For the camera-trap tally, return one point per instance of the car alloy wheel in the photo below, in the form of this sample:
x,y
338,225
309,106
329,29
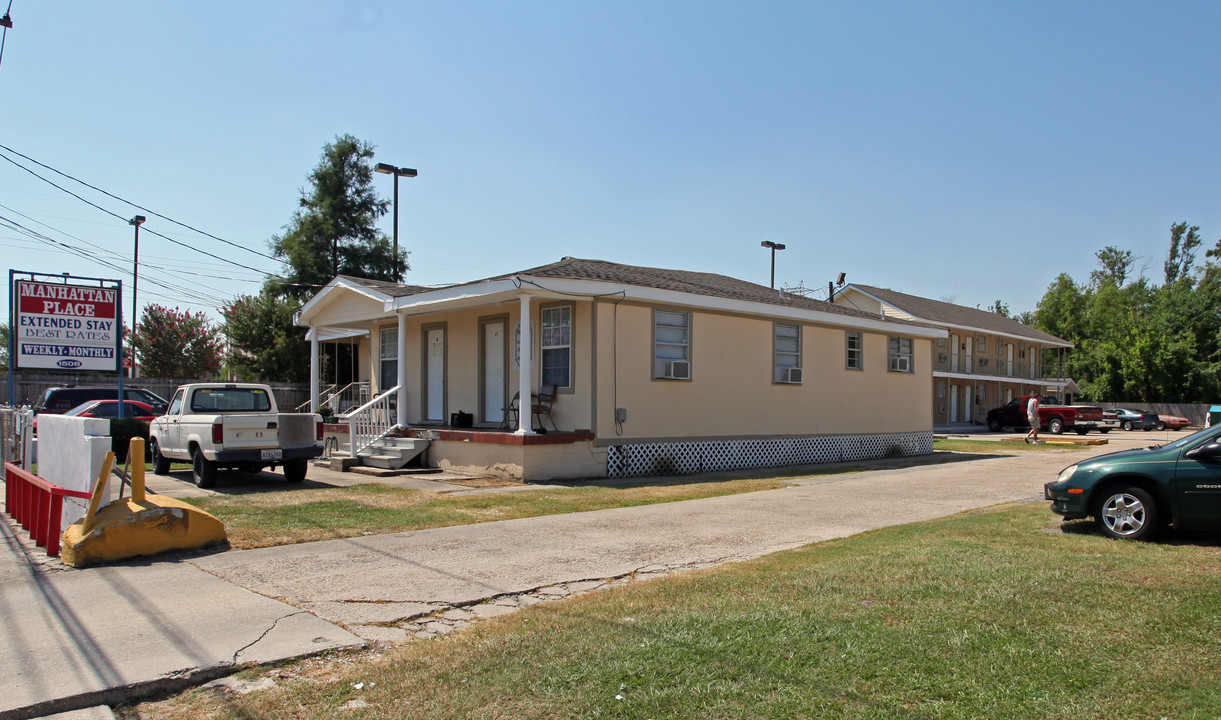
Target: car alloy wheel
x,y
1127,513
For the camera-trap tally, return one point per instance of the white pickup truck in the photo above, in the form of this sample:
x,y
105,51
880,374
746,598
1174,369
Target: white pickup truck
x,y
233,425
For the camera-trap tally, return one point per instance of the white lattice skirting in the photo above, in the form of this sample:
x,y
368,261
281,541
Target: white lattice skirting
x,y
688,458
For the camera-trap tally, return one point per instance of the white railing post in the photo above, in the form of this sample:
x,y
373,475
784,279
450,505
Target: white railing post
x,y
370,422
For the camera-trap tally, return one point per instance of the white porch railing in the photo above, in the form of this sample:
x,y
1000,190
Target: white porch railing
x,y
370,422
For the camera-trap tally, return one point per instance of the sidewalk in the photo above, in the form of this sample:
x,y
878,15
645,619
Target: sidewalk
x,y
73,639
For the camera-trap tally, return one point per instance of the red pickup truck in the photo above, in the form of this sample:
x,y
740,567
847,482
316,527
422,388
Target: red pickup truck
x,y
1053,417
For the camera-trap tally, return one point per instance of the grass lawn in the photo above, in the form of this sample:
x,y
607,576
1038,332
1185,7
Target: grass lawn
x,y
994,614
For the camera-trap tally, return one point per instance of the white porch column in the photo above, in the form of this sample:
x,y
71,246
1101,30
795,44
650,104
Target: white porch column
x,y
401,379
525,371
313,369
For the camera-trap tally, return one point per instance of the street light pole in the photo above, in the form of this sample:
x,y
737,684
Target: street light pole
x,y
774,247
137,221
397,172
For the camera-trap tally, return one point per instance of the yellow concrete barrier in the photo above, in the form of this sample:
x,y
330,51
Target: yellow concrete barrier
x,y
136,526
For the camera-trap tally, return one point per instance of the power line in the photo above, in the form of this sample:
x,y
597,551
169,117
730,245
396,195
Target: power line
x,y
117,256
199,296
120,217
138,207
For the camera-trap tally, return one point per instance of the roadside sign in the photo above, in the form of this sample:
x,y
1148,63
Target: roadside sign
x,y
65,327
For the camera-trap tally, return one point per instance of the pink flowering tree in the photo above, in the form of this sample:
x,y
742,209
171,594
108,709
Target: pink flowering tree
x,y
176,344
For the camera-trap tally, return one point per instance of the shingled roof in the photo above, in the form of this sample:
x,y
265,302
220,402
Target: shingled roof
x,y
946,313
684,281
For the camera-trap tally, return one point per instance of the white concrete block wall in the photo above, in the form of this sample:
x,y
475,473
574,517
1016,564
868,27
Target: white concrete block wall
x,y
71,452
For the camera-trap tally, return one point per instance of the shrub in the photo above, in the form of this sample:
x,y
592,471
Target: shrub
x,y
121,433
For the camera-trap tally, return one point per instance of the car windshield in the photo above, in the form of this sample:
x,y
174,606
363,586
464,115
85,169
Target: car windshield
x,y
1206,434
83,407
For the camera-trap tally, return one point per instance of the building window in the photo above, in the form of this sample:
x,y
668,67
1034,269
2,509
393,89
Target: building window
x,y
900,354
787,354
557,346
389,356
671,344
983,345
856,351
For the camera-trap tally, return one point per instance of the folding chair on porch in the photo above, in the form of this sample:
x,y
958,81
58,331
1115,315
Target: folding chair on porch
x,y
508,419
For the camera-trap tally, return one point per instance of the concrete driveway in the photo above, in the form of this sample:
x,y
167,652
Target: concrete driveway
x,y
390,587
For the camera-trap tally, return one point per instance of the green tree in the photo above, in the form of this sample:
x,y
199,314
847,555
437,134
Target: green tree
x,y
1113,265
999,307
1134,341
4,340
333,232
264,344
176,344
1182,256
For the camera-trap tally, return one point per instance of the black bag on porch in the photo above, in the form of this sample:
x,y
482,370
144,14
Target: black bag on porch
x,y
461,419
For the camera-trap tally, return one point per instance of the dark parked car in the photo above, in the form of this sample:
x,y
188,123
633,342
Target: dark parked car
x,y
1133,493
1133,419
62,399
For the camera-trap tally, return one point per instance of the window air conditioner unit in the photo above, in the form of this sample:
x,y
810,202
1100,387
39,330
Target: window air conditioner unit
x,y
790,375
676,370
983,362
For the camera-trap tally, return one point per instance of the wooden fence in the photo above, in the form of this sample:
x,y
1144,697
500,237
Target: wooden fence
x,y
1194,413
28,386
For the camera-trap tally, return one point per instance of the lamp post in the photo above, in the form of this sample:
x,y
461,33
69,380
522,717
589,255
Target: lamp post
x,y
397,172
774,247
137,221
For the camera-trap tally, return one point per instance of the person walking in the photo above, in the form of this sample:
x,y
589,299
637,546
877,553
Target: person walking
x,y
1032,417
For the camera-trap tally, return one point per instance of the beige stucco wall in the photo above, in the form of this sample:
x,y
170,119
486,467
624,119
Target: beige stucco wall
x,y
731,392
565,461
463,366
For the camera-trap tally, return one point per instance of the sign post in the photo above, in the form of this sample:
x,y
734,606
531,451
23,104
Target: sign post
x,y
62,326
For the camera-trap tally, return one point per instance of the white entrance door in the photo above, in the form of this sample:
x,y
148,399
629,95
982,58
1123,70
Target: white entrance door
x,y
953,353
1009,359
970,356
435,380
953,403
969,406
494,379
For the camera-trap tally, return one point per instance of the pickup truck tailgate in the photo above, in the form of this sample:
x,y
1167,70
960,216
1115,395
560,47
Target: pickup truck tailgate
x,y
286,430
250,431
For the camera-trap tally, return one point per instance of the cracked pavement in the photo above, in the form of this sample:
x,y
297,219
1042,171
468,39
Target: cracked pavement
x,y
75,639
429,583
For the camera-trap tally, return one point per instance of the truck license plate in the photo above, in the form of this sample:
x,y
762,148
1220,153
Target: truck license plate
x,y
271,454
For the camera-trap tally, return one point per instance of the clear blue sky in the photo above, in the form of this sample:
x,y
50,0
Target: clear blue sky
x,y
946,149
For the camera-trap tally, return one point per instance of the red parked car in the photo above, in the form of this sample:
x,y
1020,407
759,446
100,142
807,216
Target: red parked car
x,y
110,409
1172,422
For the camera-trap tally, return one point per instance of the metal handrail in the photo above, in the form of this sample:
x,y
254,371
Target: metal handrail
x,y
370,422
321,394
329,395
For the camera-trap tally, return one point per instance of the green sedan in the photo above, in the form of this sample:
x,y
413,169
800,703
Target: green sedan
x,y
1134,493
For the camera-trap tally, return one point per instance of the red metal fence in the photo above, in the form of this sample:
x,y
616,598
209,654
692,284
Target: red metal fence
x,y
37,505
